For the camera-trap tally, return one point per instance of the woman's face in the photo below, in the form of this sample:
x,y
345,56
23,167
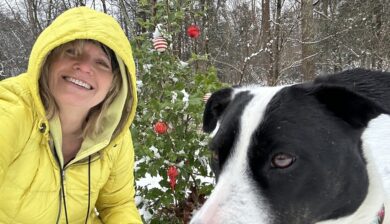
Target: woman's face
x,y
80,80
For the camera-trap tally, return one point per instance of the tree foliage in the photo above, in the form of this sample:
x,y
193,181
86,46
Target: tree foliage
x,y
173,85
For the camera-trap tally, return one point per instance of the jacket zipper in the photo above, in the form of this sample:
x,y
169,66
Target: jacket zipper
x,y
62,194
62,188
59,207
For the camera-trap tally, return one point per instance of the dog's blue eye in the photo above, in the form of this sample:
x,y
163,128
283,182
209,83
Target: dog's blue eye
x,y
282,160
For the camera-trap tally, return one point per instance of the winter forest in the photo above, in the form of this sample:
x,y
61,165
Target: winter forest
x,y
268,42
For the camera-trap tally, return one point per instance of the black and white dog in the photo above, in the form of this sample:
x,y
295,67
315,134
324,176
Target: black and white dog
x,y
297,154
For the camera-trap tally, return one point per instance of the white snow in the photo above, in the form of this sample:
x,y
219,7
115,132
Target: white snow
x,y
155,151
157,31
174,97
183,64
151,182
147,67
186,97
139,84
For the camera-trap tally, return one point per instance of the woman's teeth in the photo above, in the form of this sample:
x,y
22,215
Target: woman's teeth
x,y
79,82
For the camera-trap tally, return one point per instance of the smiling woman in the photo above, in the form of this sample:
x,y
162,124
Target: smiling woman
x,y
65,146
79,77
81,73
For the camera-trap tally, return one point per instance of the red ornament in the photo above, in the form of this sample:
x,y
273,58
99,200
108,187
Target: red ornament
x,y
160,44
193,31
172,174
160,127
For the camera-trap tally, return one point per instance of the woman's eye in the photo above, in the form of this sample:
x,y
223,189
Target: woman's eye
x,y
282,160
70,52
103,63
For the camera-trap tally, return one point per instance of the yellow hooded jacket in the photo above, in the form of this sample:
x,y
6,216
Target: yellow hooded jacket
x,y
35,185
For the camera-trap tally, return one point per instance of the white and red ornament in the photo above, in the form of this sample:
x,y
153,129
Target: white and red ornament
x,y
160,44
206,97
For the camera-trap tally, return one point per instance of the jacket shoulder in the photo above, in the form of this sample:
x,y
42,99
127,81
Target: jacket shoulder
x,y
16,108
15,91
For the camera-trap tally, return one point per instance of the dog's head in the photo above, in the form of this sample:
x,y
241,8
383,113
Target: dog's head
x,y
287,155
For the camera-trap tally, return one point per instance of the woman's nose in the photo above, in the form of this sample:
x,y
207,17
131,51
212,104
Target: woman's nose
x,y
83,65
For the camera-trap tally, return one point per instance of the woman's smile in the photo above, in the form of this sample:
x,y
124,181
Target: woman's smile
x,y
78,83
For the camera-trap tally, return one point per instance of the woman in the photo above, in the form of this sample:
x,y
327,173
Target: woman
x,y
65,146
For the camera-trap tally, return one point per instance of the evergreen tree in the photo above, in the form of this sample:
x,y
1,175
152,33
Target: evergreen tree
x,y
169,143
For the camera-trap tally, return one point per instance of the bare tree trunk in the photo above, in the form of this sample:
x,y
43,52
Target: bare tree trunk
x,y
377,24
49,14
207,6
179,41
104,5
308,69
124,17
325,7
265,41
265,23
32,15
277,43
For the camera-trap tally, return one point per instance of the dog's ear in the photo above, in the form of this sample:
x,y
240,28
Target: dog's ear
x,y
215,107
352,107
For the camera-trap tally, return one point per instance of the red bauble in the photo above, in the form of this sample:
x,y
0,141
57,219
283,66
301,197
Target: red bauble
x,y
160,44
160,127
193,31
172,174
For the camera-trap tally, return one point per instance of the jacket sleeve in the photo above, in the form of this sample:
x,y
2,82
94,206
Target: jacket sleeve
x,y
14,124
116,203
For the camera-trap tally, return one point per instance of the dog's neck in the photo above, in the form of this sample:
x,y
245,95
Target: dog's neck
x,y
375,191
374,202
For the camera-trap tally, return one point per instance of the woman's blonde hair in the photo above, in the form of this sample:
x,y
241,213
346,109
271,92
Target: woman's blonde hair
x,y
92,125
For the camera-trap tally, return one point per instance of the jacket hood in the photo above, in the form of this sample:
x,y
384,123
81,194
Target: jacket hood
x,y
85,23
